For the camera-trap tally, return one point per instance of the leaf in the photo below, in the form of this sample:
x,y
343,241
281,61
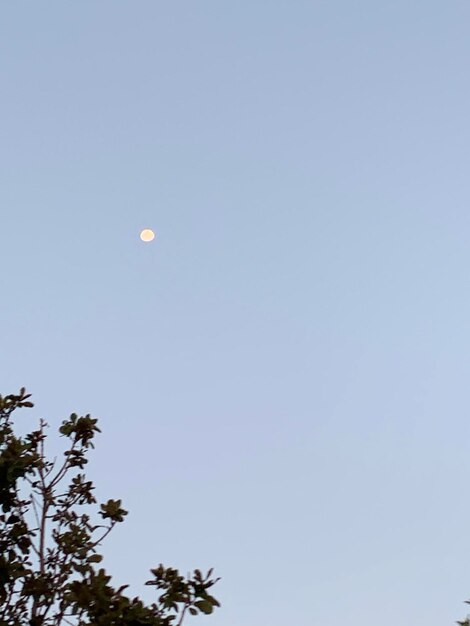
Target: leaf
x,y
205,606
95,558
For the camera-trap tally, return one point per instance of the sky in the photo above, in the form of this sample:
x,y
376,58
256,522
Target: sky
x,y
281,376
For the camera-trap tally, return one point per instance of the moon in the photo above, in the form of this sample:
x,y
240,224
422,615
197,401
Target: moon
x,y
147,235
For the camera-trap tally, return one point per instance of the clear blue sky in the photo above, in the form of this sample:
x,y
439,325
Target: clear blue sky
x,y
282,376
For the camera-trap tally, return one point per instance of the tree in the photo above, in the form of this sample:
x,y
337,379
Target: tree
x,y
50,532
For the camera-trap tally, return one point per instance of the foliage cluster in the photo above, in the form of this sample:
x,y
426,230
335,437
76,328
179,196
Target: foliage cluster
x,y
50,533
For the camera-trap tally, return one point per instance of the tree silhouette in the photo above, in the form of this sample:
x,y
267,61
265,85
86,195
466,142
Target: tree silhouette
x,y
50,532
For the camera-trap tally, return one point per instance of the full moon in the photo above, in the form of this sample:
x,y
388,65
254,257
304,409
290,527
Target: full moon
x,y
147,235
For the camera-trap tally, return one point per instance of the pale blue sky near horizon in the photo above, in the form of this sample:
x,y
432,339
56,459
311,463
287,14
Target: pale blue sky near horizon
x,y
281,377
